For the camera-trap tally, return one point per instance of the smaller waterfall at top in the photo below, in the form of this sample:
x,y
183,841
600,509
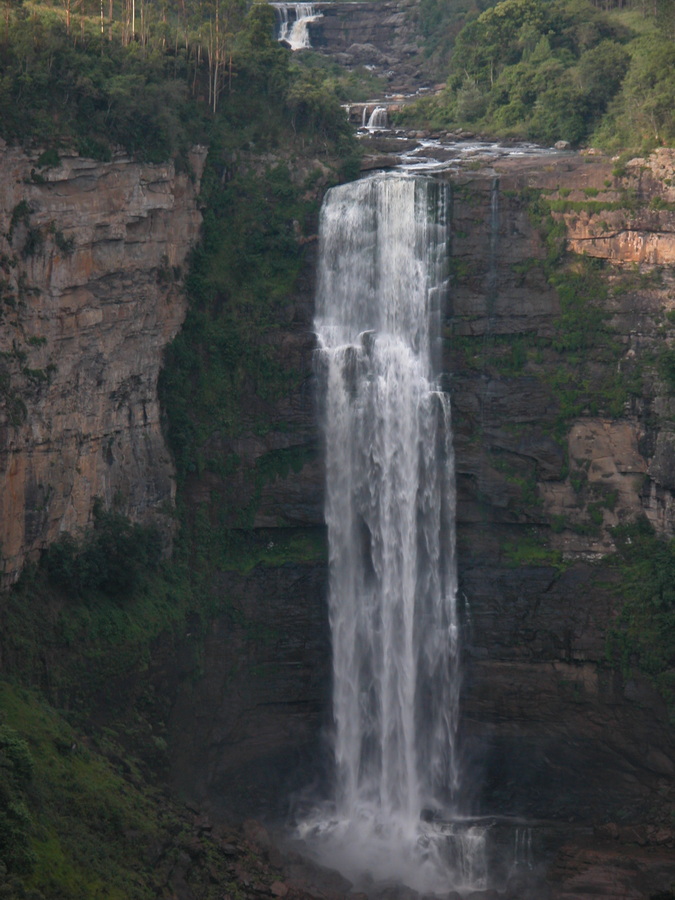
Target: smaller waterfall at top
x,y
294,19
390,510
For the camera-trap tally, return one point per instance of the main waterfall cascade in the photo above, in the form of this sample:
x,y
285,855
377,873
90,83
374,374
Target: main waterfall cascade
x,y
390,510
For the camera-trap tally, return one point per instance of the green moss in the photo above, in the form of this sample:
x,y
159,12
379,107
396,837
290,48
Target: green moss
x,y
275,547
666,368
592,207
531,550
224,365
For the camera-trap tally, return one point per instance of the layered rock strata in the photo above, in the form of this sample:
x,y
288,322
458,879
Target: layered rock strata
x,y
552,453
91,258
379,36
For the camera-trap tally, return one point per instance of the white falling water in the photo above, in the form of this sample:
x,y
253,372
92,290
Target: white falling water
x,y
379,118
294,29
390,511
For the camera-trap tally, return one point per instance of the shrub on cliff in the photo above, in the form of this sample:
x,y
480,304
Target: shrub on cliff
x,y
111,558
644,631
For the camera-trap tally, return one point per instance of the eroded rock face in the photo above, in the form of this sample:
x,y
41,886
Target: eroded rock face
x,y
550,730
91,255
247,733
380,36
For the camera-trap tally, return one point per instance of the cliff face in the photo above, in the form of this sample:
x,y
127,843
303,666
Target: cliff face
x,y
91,256
550,456
563,429
378,35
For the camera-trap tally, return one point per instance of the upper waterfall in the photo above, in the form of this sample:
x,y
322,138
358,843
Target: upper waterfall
x,y
294,19
390,510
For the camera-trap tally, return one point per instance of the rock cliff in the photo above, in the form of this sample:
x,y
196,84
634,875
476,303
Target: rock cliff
x,y
380,36
563,430
552,453
562,433
91,255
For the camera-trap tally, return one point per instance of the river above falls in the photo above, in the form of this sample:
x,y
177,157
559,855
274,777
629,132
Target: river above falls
x,y
411,152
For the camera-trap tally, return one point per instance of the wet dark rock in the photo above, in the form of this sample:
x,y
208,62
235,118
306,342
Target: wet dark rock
x,y
257,834
316,880
369,163
380,35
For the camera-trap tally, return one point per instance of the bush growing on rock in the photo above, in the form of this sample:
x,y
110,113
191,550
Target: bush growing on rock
x,y
111,558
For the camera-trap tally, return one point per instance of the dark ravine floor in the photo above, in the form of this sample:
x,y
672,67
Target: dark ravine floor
x,y
252,862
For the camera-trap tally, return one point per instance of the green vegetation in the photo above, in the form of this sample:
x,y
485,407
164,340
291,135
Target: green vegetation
x,y
584,375
156,88
79,806
532,550
241,280
560,70
112,558
439,23
79,822
16,770
644,634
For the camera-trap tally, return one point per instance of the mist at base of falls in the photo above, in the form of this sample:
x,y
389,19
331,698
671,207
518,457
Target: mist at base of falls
x,y
373,852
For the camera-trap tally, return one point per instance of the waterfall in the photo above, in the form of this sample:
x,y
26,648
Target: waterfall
x,y
491,286
390,510
294,30
379,118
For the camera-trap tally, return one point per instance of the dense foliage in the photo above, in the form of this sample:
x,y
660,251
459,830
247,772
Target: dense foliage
x,y
644,634
554,70
155,91
113,557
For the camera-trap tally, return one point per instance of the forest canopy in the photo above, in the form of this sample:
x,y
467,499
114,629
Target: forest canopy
x,y
552,70
150,75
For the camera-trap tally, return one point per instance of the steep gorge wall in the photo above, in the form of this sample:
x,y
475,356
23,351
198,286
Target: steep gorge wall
x,y
562,433
381,36
550,456
544,469
91,257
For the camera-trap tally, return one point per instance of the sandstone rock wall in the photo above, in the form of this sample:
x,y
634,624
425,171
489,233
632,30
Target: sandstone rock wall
x,y
91,260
